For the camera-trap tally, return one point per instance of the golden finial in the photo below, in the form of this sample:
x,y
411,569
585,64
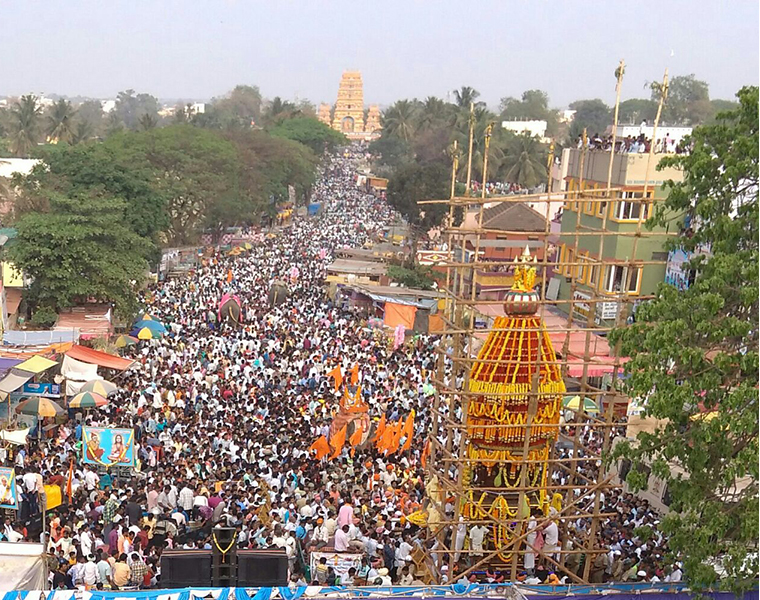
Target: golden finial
x,y
525,272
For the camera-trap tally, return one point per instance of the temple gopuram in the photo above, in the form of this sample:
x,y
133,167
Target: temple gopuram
x,y
348,115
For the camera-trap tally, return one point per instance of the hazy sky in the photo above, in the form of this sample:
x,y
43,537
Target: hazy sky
x,y
199,49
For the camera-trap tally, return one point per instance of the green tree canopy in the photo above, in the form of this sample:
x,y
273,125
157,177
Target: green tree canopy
x,y
594,115
131,107
80,248
695,352
310,132
24,126
635,110
241,108
688,101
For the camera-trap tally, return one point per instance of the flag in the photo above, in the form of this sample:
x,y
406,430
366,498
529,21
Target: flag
x,y
69,480
355,374
229,275
425,454
397,427
380,429
338,440
321,447
408,432
338,376
356,438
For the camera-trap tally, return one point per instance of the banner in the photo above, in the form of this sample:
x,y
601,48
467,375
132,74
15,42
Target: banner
x,y
8,493
340,562
52,390
53,496
108,447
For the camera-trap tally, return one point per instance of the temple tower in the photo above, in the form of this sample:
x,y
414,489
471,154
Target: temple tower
x,y
349,109
324,114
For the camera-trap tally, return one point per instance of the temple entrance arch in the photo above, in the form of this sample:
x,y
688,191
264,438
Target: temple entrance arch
x,y
347,125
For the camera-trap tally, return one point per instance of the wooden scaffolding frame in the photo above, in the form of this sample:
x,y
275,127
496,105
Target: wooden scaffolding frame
x,y
588,476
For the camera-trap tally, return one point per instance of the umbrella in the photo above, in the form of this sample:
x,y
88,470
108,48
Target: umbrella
x,y
247,246
147,334
87,400
574,403
42,407
154,326
125,340
100,386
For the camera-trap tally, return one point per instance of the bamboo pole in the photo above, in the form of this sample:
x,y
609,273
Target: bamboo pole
x,y
469,148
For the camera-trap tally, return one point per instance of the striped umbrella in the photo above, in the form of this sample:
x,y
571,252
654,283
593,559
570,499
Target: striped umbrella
x,y
87,400
146,334
154,326
39,406
123,341
101,387
574,403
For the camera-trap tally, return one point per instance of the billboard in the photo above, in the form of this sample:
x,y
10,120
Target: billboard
x,y
8,492
108,447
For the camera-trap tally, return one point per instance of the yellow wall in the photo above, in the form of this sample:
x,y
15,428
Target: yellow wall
x,y
12,278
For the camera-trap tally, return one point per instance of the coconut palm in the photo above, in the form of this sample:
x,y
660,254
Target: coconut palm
x,y
60,122
525,162
147,121
401,119
432,112
26,115
82,132
466,95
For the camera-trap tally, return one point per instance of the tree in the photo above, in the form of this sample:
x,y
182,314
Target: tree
x,y
466,95
390,152
695,353
409,185
433,113
525,161
190,168
130,108
79,249
400,120
114,124
635,110
60,121
420,277
594,115
24,127
147,122
310,132
534,105
240,108
688,101
91,112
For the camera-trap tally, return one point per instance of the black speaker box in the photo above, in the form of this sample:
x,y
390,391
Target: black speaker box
x,y
185,568
262,568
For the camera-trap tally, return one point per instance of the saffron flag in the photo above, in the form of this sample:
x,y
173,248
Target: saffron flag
x,y
338,376
229,275
408,432
355,374
356,439
397,428
338,440
321,447
69,480
380,429
425,454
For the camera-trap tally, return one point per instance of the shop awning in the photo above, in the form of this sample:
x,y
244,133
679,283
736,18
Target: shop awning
x,y
102,359
14,380
36,364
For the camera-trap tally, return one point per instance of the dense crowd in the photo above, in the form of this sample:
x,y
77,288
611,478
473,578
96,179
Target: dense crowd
x,y
640,144
224,417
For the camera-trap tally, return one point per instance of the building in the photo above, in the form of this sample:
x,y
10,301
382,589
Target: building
x,y
108,105
532,128
634,131
597,282
348,115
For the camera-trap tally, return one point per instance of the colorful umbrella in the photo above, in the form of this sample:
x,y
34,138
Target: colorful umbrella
x,y
87,400
125,340
574,403
146,334
154,326
42,407
248,246
101,387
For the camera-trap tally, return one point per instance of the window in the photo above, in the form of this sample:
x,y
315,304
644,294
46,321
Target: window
x,y
632,210
600,208
569,269
616,276
583,269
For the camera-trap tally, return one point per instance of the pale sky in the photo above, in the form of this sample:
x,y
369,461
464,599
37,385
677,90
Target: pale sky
x,y
196,49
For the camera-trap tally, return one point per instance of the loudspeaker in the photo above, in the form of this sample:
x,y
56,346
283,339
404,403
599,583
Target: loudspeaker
x,y
185,568
262,568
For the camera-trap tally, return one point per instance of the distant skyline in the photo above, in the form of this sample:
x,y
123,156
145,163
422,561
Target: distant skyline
x,y
200,49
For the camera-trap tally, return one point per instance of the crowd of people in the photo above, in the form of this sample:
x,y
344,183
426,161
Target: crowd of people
x,y
634,144
224,417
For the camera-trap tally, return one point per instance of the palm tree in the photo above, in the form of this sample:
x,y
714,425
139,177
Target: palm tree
x,y
147,121
433,111
25,125
60,122
114,124
400,119
465,95
525,162
83,132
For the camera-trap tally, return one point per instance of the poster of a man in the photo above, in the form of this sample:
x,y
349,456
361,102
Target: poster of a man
x,y
8,488
109,447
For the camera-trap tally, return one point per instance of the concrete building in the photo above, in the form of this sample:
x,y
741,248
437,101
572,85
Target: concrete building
x,y
634,131
107,105
532,128
594,279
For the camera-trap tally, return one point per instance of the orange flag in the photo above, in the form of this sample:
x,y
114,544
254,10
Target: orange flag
x,y
69,480
338,440
380,429
356,439
397,429
338,376
425,454
355,374
408,432
321,447
386,439
229,276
